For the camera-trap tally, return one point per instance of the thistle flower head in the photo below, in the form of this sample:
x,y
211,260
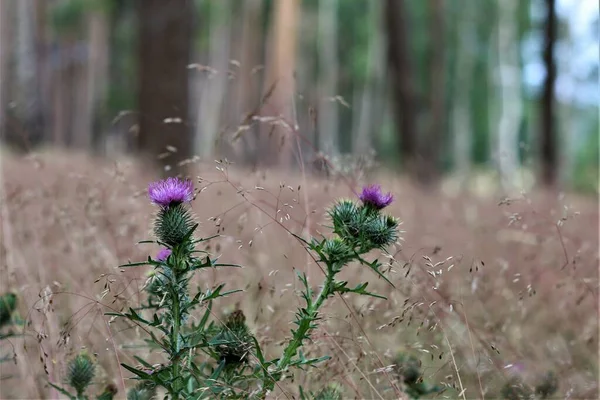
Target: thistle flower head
x,y
373,196
171,191
163,254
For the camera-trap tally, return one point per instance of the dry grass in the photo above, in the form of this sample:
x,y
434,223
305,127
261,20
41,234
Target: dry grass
x,y
479,285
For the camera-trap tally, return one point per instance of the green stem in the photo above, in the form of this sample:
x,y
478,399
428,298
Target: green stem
x,y
175,336
305,324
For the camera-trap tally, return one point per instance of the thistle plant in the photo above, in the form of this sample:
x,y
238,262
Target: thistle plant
x,y
170,303
208,359
358,228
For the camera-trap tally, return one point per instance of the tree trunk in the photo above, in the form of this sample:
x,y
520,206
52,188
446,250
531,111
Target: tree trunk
x,y
327,122
511,113
372,91
461,108
247,95
164,136
429,168
548,134
27,96
99,65
277,139
402,77
6,43
214,82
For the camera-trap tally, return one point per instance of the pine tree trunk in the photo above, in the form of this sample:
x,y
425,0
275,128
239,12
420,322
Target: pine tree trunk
x,y
164,137
277,140
429,168
402,80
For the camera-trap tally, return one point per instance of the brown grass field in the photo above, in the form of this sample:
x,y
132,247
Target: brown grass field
x,y
485,287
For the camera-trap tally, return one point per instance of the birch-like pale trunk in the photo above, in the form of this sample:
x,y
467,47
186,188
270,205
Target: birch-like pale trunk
x,y
327,123
509,73
214,81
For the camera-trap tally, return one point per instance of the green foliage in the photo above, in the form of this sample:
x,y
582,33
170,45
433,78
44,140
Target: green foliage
x,y
331,392
68,16
8,303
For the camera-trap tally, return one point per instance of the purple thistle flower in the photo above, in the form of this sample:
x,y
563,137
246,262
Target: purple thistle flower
x,y
170,190
163,254
373,196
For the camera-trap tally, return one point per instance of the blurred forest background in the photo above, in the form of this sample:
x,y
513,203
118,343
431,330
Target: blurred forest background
x,y
433,88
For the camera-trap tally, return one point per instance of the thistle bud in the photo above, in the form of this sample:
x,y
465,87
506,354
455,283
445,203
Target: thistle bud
x,y
234,341
346,219
381,230
109,392
80,372
173,224
336,249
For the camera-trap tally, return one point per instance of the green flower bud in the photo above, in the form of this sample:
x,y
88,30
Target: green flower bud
x,y
381,230
109,392
336,250
234,341
346,219
173,224
80,372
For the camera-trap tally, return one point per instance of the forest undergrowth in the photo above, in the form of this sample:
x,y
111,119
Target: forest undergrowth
x,y
487,296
